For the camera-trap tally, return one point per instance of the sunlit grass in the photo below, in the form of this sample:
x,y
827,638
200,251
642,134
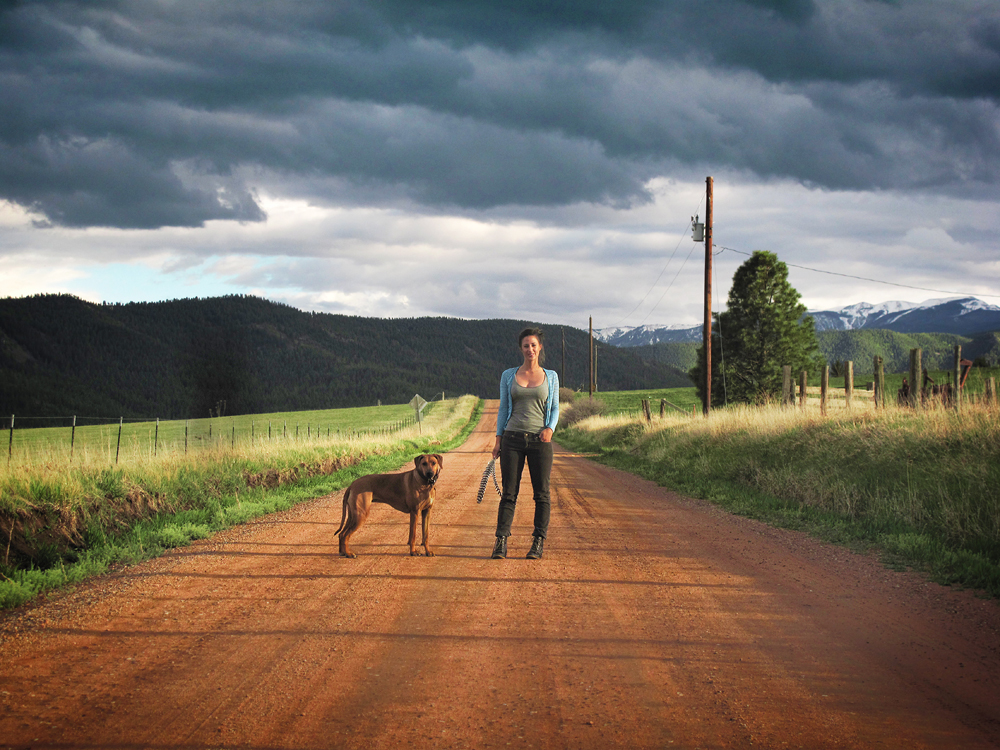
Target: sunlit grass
x,y
61,521
920,484
89,445
46,475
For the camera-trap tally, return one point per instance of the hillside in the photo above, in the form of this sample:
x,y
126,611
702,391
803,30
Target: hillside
x,y
965,316
860,347
60,355
937,348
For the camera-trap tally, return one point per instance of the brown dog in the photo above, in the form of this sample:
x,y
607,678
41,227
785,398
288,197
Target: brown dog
x,y
410,492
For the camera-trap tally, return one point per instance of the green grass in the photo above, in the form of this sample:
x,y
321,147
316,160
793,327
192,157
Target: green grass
x,y
64,523
920,487
31,444
630,402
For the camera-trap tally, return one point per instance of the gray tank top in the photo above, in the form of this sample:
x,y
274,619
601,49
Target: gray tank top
x,y
528,412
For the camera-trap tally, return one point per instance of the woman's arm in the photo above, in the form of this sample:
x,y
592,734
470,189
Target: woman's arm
x,y
503,413
552,412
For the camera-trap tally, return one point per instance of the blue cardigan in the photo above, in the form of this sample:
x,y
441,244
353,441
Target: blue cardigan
x,y
507,404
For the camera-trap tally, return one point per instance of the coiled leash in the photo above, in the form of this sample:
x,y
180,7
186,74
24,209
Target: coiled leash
x,y
490,472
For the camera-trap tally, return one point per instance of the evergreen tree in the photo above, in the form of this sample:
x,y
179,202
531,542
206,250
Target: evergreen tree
x,y
763,328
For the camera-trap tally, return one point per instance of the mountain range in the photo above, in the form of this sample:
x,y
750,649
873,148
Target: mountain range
x,y
964,316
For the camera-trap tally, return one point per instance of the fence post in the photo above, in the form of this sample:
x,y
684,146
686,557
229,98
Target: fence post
x,y
72,438
10,444
186,421
663,408
645,411
234,435
121,421
803,386
824,388
848,383
156,436
991,391
878,375
787,392
958,377
269,430
916,373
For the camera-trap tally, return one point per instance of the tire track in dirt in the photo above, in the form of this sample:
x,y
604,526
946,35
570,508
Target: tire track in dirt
x,y
651,621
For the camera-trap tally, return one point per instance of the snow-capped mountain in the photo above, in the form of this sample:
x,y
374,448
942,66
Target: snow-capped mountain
x,y
642,335
961,315
964,316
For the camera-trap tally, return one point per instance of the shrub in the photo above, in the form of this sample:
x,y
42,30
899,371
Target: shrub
x,y
578,410
566,395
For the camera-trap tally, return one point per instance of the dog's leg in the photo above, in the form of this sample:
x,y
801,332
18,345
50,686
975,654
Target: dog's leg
x,y
359,504
413,533
426,526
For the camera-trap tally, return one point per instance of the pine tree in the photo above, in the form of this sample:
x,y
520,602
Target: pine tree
x,y
763,328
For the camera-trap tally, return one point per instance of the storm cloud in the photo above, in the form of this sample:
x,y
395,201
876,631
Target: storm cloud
x,y
154,114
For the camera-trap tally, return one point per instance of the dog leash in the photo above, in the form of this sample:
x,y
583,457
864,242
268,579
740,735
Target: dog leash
x,y
490,472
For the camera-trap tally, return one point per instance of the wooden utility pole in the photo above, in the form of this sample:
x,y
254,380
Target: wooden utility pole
x,y
562,372
707,335
590,376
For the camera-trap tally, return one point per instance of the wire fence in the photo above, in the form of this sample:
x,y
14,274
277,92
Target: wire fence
x,y
33,438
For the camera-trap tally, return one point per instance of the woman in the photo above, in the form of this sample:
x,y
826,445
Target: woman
x,y
529,411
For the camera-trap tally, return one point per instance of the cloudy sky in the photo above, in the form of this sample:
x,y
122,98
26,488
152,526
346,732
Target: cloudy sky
x,y
534,159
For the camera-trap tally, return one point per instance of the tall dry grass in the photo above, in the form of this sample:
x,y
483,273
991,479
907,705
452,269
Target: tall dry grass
x,y
920,483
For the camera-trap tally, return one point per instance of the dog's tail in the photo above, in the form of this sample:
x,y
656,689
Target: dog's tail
x,y
343,518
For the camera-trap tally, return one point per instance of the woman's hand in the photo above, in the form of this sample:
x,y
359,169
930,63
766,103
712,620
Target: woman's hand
x,y
545,435
496,448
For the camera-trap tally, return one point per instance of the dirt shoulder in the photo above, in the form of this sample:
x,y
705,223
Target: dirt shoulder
x,y
651,621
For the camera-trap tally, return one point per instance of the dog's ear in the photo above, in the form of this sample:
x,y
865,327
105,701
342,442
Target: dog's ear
x,y
416,461
440,459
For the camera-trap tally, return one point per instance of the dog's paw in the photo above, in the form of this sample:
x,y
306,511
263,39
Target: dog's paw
x,y
430,554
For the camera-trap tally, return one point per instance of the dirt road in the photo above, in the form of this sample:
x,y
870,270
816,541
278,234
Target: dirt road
x,y
651,622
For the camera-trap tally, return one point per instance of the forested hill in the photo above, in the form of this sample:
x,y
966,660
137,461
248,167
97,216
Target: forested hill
x,y
860,347
60,355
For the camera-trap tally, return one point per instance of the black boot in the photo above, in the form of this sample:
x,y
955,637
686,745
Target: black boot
x,y
536,548
500,548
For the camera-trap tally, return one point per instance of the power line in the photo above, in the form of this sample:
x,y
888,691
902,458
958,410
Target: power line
x,y
657,281
653,309
865,278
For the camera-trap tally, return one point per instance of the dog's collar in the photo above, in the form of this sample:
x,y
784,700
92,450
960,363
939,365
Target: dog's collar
x,y
432,481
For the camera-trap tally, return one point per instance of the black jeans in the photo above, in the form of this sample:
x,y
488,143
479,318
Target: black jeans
x,y
516,448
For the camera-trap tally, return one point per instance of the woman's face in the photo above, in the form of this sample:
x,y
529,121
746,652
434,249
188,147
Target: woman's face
x,y
530,347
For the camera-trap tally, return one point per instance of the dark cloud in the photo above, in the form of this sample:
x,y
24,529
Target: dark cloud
x,y
143,114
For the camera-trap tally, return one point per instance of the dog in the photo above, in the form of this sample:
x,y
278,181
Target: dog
x,y
410,492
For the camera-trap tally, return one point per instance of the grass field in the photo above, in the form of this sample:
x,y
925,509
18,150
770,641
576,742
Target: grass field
x,y
62,520
100,442
630,402
921,486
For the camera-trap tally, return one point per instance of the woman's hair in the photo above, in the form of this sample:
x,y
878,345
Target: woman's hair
x,y
537,333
